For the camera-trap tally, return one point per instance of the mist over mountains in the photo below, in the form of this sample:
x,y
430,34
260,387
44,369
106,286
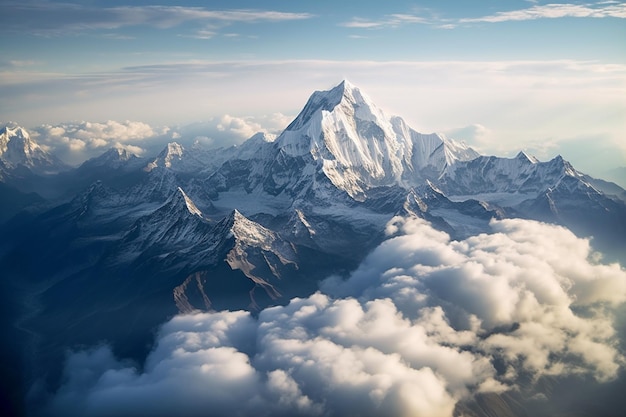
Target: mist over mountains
x,y
349,265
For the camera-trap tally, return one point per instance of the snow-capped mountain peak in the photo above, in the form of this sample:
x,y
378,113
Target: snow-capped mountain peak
x,y
16,142
191,207
319,100
17,148
180,204
251,240
523,156
359,147
348,97
175,157
113,158
173,152
121,154
17,132
241,228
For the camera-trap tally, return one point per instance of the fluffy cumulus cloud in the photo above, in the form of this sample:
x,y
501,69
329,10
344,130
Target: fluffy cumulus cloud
x,y
74,142
228,129
423,324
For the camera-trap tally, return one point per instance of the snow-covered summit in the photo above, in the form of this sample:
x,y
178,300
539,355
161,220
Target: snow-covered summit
x,y
114,158
238,226
191,207
344,93
523,156
175,157
118,153
360,147
171,155
17,148
523,175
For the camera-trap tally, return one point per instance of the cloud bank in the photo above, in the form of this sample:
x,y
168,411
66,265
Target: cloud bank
x,y
422,324
74,142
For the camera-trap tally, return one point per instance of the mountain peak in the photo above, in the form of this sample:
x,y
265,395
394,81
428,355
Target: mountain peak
x,y
117,154
358,147
17,148
235,220
181,198
173,150
121,153
15,131
523,156
170,156
346,84
242,228
327,101
19,136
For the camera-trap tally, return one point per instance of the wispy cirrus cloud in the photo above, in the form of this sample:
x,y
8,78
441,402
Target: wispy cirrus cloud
x,y
602,9
555,11
392,20
53,19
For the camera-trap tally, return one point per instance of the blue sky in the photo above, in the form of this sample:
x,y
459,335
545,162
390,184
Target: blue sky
x,y
547,77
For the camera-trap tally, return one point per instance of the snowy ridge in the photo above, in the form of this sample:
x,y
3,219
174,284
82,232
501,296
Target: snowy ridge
x,y
191,207
115,155
248,233
246,246
521,174
176,225
115,158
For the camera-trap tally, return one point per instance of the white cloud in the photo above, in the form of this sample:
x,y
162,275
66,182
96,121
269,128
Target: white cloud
x,y
418,327
475,135
74,145
109,130
245,127
526,276
137,150
51,18
546,11
392,20
75,142
241,127
555,11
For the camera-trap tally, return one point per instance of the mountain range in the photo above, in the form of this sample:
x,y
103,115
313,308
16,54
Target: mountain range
x,y
114,247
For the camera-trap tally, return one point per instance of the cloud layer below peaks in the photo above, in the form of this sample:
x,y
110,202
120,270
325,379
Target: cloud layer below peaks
x,y
422,324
